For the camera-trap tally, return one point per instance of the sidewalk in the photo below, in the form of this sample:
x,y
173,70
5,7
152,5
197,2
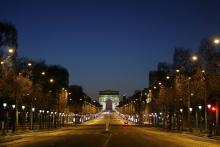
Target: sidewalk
x,y
195,133
25,133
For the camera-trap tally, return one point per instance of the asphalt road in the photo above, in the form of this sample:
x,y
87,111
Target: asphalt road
x,y
93,134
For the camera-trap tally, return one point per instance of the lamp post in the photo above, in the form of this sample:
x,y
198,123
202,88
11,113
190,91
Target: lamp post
x,y
13,117
23,116
52,119
32,117
216,41
181,120
48,118
4,118
200,117
194,59
189,104
40,119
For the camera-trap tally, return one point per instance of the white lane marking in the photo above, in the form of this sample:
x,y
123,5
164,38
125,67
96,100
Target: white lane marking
x,y
107,141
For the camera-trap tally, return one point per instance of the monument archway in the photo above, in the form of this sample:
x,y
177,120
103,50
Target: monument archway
x,y
109,98
108,105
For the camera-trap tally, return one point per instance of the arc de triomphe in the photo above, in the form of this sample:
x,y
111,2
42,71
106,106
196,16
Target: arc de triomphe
x,y
109,99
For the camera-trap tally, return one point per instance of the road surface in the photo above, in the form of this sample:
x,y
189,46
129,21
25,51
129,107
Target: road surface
x,y
93,134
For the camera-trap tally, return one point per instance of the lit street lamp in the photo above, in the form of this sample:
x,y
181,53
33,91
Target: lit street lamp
x,y
32,117
4,105
181,120
23,107
216,41
13,106
194,58
4,118
29,64
51,80
11,51
23,122
200,121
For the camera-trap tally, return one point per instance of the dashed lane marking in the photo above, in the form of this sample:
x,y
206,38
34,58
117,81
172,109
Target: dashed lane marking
x,y
107,141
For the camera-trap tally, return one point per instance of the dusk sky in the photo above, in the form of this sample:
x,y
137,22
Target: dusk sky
x,y
109,44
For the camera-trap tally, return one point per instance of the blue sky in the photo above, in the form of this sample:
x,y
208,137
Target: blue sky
x,y
110,44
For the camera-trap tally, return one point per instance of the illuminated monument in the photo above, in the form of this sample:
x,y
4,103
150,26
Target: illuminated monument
x,y
109,99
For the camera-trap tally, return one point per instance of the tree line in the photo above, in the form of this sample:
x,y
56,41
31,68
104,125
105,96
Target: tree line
x,y
179,93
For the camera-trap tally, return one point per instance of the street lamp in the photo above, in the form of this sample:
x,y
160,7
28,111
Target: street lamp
x,y
209,106
32,117
190,109
4,105
43,73
177,70
11,51
23,120
29,64
199,123
216,41
4,122
194,58
160,83
23,107
200,107
51,80
13,106
167,77
181,119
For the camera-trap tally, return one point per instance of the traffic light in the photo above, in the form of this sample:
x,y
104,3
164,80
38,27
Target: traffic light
x,y
213,109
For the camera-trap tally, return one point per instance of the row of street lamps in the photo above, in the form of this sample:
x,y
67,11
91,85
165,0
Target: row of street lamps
x,y
208,107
